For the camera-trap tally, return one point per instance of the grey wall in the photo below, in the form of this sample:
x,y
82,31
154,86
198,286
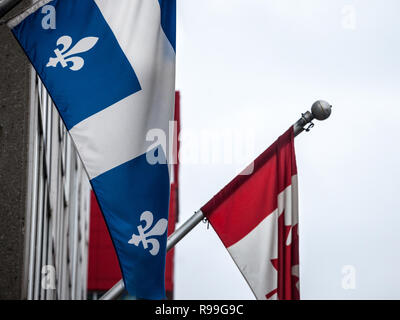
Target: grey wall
x,y
14,141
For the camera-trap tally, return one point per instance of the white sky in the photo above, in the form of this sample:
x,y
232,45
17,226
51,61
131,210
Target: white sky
x,y
247,69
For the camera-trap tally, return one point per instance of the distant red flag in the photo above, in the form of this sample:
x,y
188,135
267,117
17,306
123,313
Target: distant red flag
x,y
256,217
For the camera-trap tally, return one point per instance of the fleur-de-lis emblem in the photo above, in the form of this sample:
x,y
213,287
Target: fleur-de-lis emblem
x,y
64,56
144,233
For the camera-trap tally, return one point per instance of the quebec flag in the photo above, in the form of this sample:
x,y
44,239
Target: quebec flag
x,y
109,66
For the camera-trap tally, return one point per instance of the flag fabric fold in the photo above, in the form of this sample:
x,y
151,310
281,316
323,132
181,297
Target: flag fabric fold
x,y
256,218
109,67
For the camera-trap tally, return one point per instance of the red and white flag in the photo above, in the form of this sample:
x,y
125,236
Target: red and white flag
x,y
256,217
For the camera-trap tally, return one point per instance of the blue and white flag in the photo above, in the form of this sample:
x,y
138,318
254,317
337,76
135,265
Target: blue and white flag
x,y
109,66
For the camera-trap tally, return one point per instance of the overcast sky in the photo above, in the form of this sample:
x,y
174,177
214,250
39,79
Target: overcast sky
x,y
246,70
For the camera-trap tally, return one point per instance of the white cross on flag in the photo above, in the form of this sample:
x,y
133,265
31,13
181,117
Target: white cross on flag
x,y
256,218
109,67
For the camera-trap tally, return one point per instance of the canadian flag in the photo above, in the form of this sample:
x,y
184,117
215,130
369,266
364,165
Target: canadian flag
x,y
256,217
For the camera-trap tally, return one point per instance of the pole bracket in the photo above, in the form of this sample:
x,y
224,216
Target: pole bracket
x,y
310,123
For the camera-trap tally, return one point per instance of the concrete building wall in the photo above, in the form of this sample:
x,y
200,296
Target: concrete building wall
x,y
14,145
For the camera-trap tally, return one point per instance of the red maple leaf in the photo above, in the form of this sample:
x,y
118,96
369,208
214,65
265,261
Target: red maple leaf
x,y
287,263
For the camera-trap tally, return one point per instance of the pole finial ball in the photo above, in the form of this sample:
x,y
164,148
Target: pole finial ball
x,y
321,110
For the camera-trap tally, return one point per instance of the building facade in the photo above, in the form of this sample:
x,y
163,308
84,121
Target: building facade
x,y
44,191
57,223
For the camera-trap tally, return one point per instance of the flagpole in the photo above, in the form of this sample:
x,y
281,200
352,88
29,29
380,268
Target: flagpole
x,y
7,5
320,110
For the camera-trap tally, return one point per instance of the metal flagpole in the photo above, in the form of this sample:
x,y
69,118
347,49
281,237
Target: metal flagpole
x,y
320,110
7,5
